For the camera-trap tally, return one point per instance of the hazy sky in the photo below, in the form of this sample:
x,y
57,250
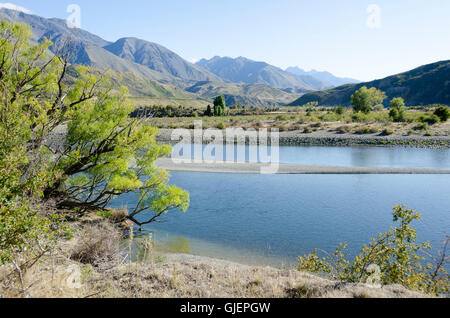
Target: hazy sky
x,y
342,37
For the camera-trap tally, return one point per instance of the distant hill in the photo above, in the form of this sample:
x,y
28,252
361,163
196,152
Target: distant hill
x,y
243,70
325,77
258,95
428,84
159,58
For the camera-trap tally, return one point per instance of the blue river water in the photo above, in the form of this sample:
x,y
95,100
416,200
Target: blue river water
x,y
273,219
362,156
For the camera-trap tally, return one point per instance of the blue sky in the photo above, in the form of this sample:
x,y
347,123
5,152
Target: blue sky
x,y
321,34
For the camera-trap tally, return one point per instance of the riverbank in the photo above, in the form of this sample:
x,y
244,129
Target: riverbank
x,y
331,138
258,168
92,265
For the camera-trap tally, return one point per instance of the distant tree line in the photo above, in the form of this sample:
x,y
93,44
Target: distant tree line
x,y
160,111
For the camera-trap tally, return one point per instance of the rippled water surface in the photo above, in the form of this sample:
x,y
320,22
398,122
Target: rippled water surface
x,y
273,219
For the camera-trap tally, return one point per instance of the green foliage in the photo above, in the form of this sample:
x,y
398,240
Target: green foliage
x,y
312,104
23,171
282,118
443,113
397,103
378,108
397,255
219,106
364,99
208,111
430,120
106,153
339,110
397,112
160,111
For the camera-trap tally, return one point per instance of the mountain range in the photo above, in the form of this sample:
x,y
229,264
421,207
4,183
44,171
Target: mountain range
x,y
326,77
153,71
425,85
148,63
243,70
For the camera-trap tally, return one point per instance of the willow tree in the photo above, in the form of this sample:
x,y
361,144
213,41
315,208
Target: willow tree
x,y
70,137
364,99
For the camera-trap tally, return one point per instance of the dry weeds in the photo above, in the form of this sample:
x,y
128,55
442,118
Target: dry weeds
x,y
90,265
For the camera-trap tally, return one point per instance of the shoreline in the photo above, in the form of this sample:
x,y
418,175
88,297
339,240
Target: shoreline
x,y
258,168
326,138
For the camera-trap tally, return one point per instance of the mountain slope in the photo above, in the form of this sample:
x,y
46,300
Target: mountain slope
x,y
86,48
428,84
243,70
159,58
51,28
325,77
258,95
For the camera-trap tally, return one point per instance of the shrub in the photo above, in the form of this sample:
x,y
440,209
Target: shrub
x,y
379,108
97,246
344,129
433,119
422,126
221,126
282,118
339,110
387,132
443,113
395,254
366,130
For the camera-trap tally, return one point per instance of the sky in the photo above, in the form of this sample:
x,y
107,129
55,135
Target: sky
x,y
361,39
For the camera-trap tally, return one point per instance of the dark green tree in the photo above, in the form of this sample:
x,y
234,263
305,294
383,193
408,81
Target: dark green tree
x,y
219,106
208,111
443,113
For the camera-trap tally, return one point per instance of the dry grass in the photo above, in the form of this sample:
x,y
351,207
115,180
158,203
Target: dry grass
x,y
373,123
208,278
97,245
92,261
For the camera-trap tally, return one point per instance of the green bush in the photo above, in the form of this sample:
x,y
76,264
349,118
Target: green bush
x,y
387,132
282,118
378,108
339,110
443,113
395,253
422,126
432,120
